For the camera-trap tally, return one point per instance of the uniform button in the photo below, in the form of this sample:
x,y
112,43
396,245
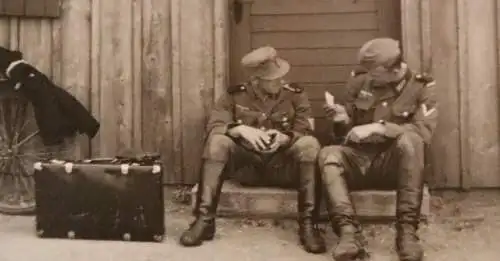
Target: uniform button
x,y
405,114
242,87
384,104
285,119
239,121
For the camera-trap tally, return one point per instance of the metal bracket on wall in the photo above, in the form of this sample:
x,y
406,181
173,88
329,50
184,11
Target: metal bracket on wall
x,y
238,6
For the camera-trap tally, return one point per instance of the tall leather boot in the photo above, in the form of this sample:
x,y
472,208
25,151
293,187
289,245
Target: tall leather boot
x,y
207,197
342,215
310,236
409,202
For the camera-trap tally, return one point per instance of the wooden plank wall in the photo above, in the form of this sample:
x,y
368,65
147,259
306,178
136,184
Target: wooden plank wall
x,y
147,69
457,41
320,38
150,70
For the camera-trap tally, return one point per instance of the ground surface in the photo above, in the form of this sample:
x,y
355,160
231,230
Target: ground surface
x,y
463,227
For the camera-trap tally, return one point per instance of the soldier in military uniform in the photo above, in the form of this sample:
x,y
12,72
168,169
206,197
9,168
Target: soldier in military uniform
x,y
260,123
389,116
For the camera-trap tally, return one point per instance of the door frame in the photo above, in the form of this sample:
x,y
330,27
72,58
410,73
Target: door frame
x,y
414,32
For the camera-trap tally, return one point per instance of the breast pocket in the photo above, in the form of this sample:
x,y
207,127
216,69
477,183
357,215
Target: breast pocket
x,y
245,115
364,102
282,120
364,109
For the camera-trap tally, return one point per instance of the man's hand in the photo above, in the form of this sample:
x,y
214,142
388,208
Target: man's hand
x,y
278,139
361,132
336,112
258,139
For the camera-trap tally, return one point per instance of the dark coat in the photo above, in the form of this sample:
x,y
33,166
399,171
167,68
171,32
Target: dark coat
x,y
58,114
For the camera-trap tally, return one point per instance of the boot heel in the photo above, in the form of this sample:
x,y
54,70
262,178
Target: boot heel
x,y
209,233
363,255
209,237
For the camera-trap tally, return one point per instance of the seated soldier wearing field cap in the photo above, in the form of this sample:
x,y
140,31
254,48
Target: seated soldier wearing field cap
x,y
260,125
389,116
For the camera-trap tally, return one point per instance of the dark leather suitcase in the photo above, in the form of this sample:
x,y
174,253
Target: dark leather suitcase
x,y
101,199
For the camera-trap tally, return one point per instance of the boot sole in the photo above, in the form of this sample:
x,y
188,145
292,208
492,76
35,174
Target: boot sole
x,y
206,238
361,256
320,250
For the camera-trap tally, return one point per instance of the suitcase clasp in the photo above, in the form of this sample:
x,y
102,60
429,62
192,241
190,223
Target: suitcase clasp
x,y
124,168
156,169
68,167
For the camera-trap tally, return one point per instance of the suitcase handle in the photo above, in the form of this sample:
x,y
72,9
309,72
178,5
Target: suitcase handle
x,y
100,160
141,159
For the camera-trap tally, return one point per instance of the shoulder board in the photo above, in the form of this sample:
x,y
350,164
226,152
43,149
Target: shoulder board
x,y
355,73
236,88
426,79
293,87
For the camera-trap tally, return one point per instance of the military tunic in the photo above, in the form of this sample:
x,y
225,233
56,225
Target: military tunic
x,y
408,112
410,105
288,111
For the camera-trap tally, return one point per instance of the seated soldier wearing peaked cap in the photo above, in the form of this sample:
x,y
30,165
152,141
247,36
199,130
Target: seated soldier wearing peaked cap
x,y
259,125
389,116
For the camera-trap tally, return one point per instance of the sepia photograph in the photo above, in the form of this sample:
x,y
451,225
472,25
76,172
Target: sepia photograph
x,y
260,130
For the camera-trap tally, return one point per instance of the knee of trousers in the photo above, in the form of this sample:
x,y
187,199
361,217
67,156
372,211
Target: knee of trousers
x,y
306,149
410,144
218,148
331,155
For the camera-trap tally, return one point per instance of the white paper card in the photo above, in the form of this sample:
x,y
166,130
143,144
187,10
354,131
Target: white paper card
x,y
330,99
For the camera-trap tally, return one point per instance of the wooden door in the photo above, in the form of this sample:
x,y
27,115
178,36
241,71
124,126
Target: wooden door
x,y
320,38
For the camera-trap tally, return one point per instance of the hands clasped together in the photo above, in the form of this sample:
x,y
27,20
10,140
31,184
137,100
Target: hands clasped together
x,y
264,141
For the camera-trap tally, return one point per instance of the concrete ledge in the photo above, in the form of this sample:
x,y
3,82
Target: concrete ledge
x,y
238,201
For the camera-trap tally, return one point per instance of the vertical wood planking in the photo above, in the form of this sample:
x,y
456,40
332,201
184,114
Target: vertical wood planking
x,y
241,38
497,39
75,59
137,15
221,46
95,71
425,27
175,20
157,85
480,93
463,72
446,142
57,46
196,79
116,77
4,32
35,41
411,32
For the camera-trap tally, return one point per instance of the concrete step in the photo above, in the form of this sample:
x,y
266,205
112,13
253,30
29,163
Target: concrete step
x,y
239,201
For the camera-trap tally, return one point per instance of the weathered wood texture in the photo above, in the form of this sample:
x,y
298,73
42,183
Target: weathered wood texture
x,y
146,69
457,41
30,8
151,69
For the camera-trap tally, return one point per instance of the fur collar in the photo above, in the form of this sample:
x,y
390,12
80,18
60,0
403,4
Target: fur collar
x,y
13,65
